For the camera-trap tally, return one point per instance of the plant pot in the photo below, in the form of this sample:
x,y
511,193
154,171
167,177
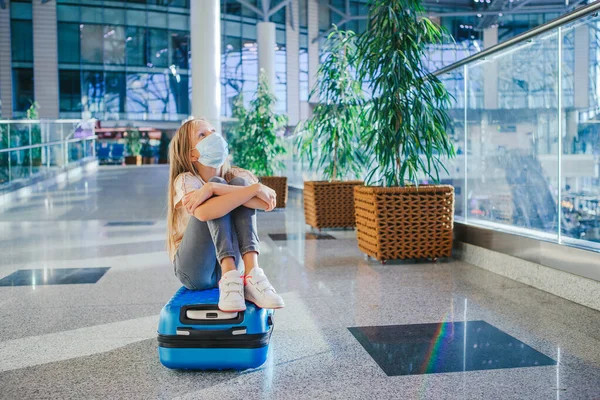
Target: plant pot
x,y
405,222
133,160
163,160
329,204
279,185
148,160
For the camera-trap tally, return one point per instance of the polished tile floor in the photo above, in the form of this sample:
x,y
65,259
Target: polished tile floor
x,y
78,340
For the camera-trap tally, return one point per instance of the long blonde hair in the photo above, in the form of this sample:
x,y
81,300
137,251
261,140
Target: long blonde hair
x,y
180,162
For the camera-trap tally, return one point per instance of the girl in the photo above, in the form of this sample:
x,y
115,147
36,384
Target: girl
x,y
211,221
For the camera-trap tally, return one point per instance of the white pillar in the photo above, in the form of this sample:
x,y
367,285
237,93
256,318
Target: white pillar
x,y
292,55
490,77
205,23
45,58
5,64
266,51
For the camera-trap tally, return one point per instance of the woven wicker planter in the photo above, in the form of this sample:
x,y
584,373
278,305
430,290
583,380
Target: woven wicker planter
x,y
404,222
329,204
279,185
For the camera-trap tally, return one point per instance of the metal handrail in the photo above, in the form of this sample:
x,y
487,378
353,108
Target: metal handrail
x,y
39,121
525,36
46,144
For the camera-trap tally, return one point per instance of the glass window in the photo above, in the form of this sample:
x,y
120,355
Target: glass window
x,y
157,19
20,10
136,46
92,87
22,88
114,16
136,17
158,48
303,13
280,36
92,44
69,90
21,41
249,31
136,95
114,45
179,91
91,15
158,96
67,13
179,21
68,37
180,47
114,98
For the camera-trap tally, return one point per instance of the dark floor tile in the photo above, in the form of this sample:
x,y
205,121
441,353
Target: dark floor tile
x,y
129,223
57,276
307,236
445,347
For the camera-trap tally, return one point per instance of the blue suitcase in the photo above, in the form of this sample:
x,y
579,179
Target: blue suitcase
x,y
194,334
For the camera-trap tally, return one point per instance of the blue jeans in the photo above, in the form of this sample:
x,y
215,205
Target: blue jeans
x,y
204,244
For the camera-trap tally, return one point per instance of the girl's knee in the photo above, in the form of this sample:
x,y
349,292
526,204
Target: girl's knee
x,y
239,181
196,282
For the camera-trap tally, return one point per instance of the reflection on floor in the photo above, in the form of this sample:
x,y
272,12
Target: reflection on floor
x,y
445,347
98,340
53,276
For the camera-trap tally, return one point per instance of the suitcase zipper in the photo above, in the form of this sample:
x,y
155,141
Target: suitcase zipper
x,y
215,340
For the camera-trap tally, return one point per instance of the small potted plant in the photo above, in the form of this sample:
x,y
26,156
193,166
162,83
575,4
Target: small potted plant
x,y
257,141
400,218
163,148
133,143
330,139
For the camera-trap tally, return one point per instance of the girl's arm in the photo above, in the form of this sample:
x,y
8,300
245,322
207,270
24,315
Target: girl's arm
x,y
221,189
216,207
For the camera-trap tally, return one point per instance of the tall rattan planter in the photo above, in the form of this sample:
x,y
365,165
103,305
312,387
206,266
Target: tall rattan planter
x,y
279,185
329,204
404,222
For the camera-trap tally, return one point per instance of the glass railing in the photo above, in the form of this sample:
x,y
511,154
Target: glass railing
x,y
32,148
526,126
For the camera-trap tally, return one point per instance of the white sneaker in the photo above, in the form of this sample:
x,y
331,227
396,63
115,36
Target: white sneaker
x,y
259,290
231,292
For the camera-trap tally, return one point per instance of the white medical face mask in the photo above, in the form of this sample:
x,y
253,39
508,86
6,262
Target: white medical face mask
x,y
213,150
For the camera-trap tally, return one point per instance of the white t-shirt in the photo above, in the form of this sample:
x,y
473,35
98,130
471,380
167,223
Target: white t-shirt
x,y
188,182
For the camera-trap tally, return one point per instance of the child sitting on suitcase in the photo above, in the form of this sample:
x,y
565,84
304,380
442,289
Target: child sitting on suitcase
x,y
211,220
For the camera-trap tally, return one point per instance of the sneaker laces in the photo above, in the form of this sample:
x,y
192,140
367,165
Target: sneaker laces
x,y
264,285
227,287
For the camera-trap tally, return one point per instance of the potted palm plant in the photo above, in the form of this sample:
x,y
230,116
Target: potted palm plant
x,y
330,139
133,143
400,218
257,144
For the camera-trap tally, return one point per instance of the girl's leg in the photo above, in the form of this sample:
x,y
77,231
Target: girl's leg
x,y
224,239
244,222
258,289
231,284
196,263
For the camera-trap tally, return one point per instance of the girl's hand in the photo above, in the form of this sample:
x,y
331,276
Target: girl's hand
x,y
267,195
194,199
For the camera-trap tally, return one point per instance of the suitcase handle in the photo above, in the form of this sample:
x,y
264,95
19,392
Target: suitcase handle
x,y
212,334
183,318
